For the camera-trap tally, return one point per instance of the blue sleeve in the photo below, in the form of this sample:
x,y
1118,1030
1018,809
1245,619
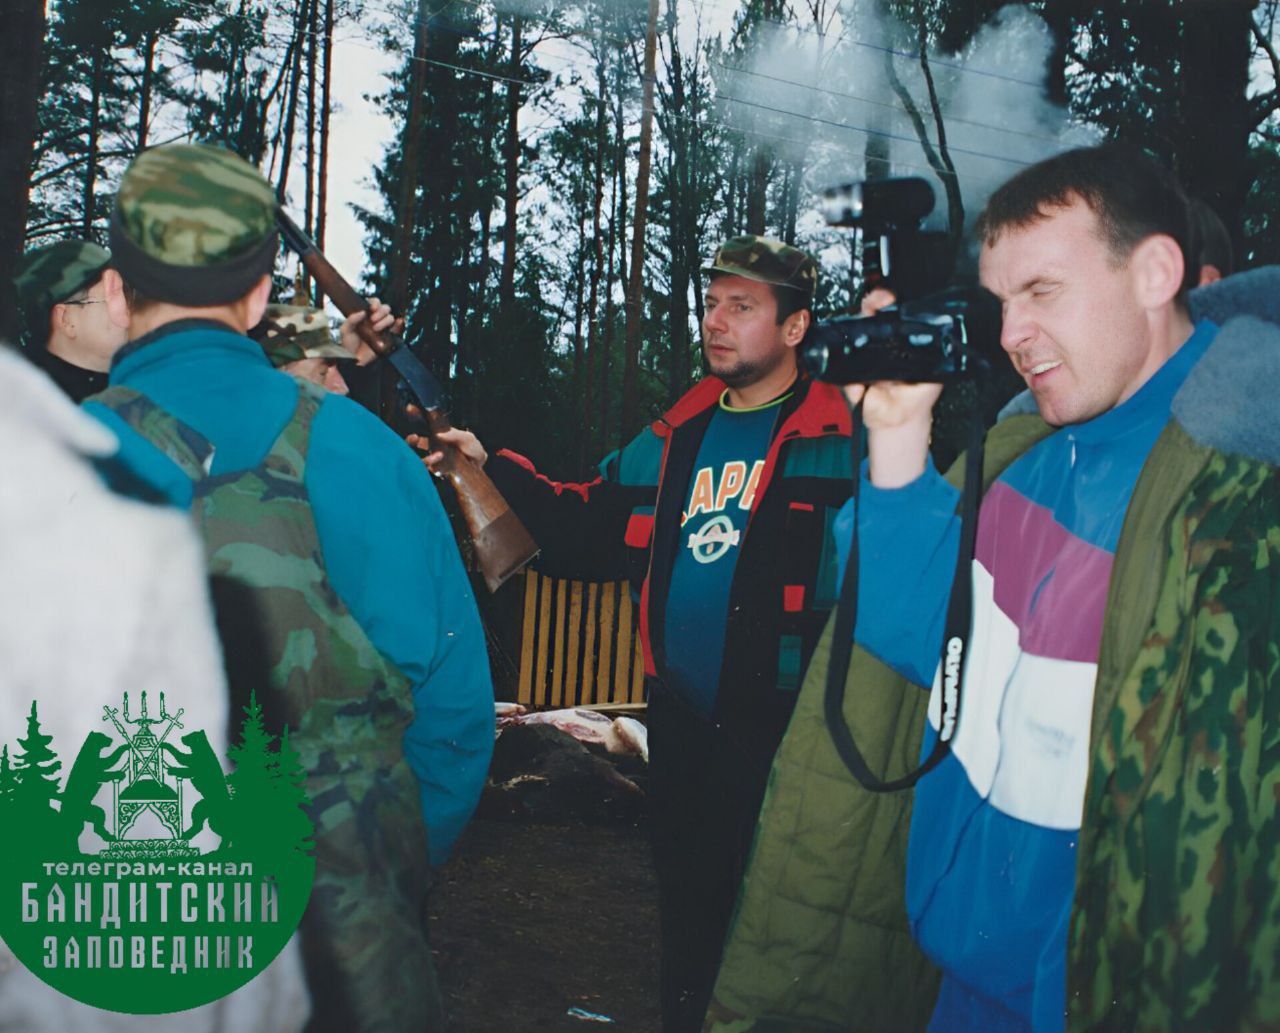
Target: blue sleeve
x,y
908,538
392,557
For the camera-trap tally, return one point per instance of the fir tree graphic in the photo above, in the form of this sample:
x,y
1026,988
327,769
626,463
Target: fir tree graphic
x,y
35,777
267,794
291,798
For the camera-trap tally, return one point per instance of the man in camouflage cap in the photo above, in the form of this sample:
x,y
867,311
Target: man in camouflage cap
x,y
359,621
297,340
733,558
62,290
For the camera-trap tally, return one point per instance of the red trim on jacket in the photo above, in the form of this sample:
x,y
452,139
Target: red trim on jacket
x,y
699,398
639,533
583,489
792,598
823,411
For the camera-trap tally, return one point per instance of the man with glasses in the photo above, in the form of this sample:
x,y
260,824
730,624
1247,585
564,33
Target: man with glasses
x,y
62,290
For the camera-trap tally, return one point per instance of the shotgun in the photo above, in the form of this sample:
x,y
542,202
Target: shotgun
x,y
502,543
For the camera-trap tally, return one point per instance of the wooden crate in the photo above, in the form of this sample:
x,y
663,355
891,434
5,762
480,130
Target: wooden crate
x,y
579,644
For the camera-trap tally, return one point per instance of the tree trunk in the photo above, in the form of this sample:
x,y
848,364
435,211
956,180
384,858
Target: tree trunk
x,y
144,90
618,240
1212,154
20,62
410,165
682,183
579,288
91,157
511,162
235,76
291,103
939,158
731,191
757,191
326,106
440,178
597,269
1059,18
635,289
947,171
313,62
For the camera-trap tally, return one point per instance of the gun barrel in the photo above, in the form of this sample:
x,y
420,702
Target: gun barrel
x,y
502,543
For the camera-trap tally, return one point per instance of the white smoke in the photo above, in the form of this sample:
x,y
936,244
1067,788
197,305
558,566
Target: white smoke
x,y
817,99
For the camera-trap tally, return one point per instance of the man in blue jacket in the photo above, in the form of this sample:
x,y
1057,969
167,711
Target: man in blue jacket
x,y
333,564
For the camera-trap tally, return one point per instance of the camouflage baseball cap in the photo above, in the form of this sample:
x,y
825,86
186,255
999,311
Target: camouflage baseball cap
x,y
766,260
193,224
52,274
290,333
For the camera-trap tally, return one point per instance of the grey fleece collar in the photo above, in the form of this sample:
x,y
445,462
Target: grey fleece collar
x,y
1228,400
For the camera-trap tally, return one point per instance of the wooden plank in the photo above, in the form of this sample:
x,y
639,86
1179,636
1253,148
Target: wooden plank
x,y
608,628
620,683
574,630
637,678
613,708
526,636
587,693
544,634
557,664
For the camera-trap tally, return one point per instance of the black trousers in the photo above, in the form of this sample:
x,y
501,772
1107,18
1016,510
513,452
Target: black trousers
x,y
704,798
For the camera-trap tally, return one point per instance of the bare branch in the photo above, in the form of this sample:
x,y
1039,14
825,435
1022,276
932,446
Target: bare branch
x,y
1267,47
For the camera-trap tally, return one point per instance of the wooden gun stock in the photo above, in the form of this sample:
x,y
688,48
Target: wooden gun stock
x,y
502,544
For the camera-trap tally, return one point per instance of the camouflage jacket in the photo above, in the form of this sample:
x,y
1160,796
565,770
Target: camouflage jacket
x,y
1176,921
387,547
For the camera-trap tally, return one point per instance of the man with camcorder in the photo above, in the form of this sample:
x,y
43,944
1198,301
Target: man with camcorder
x,y
1091,841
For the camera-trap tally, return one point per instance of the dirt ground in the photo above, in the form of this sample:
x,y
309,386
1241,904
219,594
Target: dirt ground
x,y
529,920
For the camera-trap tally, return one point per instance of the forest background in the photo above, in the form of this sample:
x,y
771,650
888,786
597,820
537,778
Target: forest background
x,y
559,170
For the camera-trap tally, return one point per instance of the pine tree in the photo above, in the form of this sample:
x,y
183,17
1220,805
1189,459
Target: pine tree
x,y
252,756
35,770
289,799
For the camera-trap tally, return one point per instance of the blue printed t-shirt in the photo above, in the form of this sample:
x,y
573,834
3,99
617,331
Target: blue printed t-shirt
x,y
726,472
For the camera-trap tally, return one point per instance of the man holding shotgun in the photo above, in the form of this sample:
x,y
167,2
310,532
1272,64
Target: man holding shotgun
x,y
358,627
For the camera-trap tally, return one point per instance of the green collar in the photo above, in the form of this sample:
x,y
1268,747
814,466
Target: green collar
x,y
724,401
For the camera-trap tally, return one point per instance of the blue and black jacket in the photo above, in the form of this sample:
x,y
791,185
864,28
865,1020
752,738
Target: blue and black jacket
x,y
626,523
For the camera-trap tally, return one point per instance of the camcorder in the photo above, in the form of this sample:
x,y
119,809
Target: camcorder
x,y
930,334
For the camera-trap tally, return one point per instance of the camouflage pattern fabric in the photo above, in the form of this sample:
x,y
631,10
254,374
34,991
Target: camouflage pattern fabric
x,y
1177,914
290,333
766,260
368,961
185,447
1176,920
194,205
52,274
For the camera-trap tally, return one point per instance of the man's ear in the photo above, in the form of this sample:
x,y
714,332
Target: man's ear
x,y
58,321
113,291
256,302
795,326
1209,274
1158,268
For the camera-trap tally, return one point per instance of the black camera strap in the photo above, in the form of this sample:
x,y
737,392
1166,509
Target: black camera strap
x,y
956,634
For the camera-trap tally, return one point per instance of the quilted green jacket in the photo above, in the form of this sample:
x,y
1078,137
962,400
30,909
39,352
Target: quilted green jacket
x,y
1176,920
